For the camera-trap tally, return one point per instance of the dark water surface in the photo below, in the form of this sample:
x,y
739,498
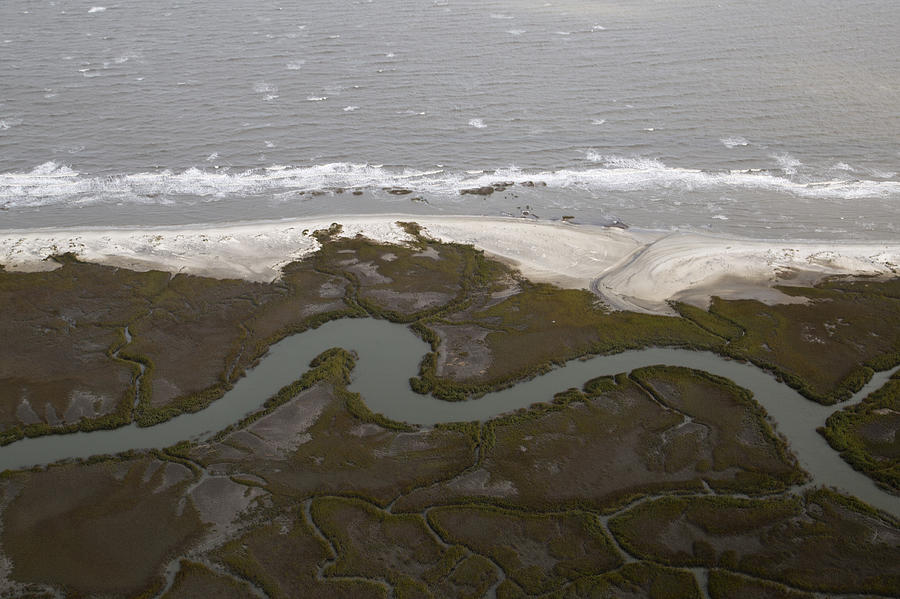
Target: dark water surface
x,y
762,119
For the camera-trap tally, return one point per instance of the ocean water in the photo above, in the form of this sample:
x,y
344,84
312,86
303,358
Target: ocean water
x,y
761,119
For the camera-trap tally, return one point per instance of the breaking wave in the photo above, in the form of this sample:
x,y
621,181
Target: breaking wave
x,y
734,142
52,183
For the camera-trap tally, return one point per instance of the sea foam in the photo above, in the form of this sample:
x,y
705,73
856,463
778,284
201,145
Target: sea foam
x,y
734,142
788,163
53,183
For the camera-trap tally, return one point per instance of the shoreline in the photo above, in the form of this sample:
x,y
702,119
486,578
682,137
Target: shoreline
x,y
629,269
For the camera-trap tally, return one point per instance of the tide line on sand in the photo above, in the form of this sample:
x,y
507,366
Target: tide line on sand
x,y
629,269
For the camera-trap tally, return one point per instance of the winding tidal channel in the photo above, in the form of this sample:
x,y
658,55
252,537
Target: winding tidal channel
x,y
389,354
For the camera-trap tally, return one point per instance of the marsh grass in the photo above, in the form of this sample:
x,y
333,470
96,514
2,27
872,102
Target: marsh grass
x,y
821,542
866,435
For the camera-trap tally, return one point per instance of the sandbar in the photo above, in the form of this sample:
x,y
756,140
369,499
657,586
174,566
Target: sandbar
x,y
630,269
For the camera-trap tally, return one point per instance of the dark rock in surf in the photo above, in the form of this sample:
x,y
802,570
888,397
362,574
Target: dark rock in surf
x,y
478,191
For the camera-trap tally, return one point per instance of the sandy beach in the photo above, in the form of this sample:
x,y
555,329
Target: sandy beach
x,y
629,269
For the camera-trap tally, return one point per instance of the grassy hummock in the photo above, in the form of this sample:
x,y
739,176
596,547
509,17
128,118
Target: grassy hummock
x,y
866,435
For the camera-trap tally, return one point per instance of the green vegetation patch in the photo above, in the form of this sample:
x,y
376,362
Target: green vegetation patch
x,y
85,341
542,325
621,443
196,580
727,585
75,526
400,549
284,559
539,552
66,352
821,542
315,437
714,323
59,331
866,286
199,335
735,426
825,348
398,282
867,435
637,579
468,578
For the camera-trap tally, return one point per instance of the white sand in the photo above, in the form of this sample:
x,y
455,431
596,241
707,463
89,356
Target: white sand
x,y
692,268
254,251
629,269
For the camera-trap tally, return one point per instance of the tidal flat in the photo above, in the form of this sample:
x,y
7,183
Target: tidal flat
x,y
658,481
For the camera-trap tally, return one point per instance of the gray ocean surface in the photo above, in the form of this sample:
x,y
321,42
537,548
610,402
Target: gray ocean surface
x,y
761,119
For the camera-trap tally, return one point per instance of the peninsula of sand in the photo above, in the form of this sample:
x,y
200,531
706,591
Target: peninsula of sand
x,y
629,269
